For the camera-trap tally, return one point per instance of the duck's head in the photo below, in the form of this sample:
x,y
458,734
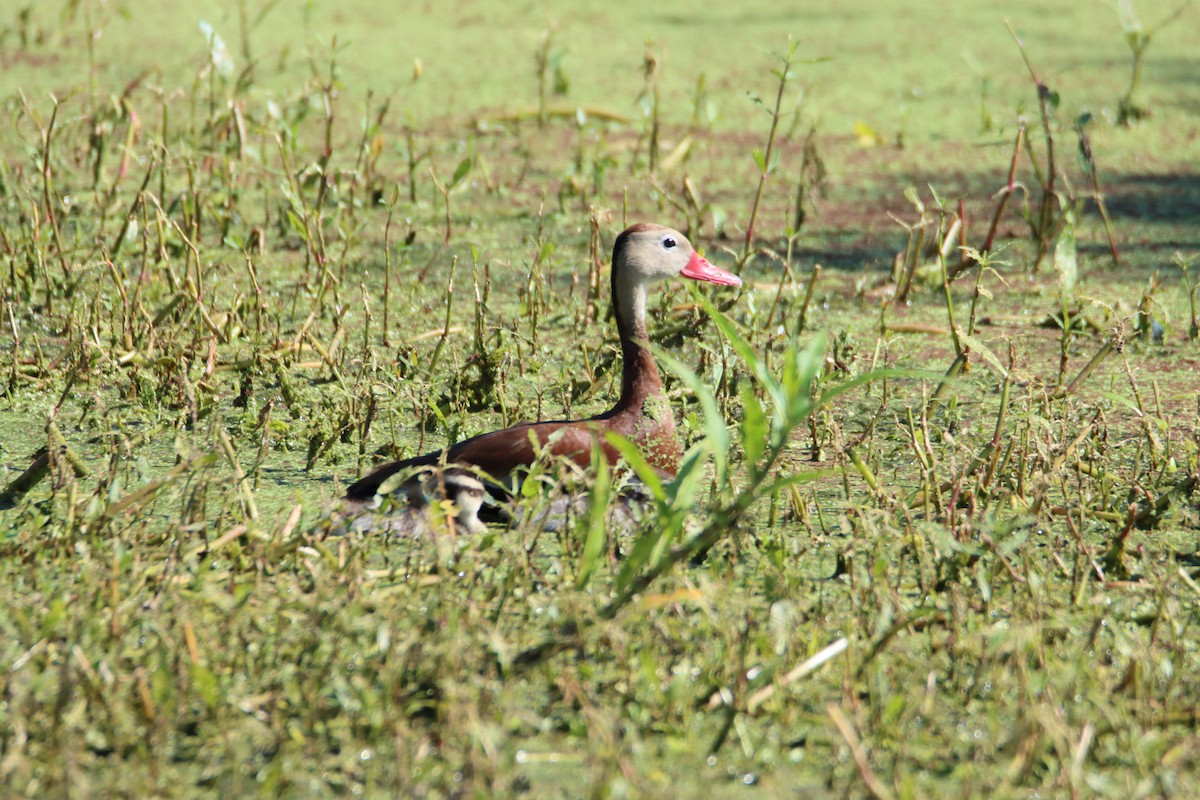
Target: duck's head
x,y
467,493
646,253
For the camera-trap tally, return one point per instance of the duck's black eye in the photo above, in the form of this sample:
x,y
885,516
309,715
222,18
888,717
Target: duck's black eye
x,y
668,242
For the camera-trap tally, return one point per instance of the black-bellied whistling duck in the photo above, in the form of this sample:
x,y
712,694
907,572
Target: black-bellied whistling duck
x,y
409,512
643,254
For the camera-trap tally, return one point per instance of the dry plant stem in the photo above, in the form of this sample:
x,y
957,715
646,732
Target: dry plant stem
x,y
802,318
387,267
993,458
298,196
444,190
650,66
812,164
1006,194
542,62
1049,203
449,303
959,350
413,159
924,456
19,486
1194,324
807,666
1057,464
1154,445
115,248
976,294
1085,149
48,192
921,615
1129,110
591,307
250,507
912,251
1116,341
846,729
784,279
987,456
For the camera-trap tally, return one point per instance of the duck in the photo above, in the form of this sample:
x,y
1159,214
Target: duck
x,y
643,254
408,512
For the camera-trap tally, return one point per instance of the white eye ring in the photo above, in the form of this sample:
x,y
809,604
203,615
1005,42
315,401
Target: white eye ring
x,y
668,242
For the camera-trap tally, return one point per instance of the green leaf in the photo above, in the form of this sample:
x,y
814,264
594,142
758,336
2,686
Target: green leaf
x,y
597,535
714,422
298,225
530,488
760,160
983,350
681,492
1128,402
754,427
206,685
1064,255
644,548
674,500
784,481
460,172
745,351
801,368
634,458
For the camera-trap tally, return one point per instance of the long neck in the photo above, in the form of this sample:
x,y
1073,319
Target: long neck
x,y
639,377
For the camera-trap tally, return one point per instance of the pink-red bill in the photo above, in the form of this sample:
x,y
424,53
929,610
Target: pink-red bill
x,y
699,269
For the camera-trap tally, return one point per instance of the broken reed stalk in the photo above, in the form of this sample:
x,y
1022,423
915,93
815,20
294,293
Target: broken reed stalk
x,y
1045,219
802,317
1085,151
1006,194
18,487
1116,341
387,265
48,200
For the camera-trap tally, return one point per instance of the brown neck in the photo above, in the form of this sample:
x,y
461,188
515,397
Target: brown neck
x,y
639,376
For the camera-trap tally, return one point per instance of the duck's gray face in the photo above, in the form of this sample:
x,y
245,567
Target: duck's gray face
x,y
654,253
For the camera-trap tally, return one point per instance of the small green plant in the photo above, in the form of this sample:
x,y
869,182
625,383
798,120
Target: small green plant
x,y
1184,265
1088,162
810,182
1050,216
551,78
934,235
1130,108
649,101
1149,312
445,188
1058,207
767,159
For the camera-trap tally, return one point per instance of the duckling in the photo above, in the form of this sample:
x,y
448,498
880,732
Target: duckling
x,y
410,511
